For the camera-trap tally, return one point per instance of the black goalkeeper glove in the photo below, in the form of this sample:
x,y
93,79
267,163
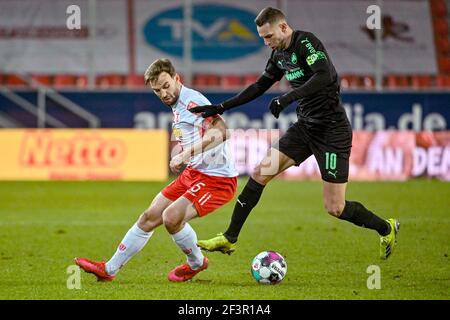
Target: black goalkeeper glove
x,y
208,110
278,104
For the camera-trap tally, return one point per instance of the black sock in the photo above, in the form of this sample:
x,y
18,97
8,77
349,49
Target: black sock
x,y
356,213
247,200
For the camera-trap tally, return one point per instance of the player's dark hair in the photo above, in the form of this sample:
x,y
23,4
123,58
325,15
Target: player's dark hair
x,y
269,15
156,68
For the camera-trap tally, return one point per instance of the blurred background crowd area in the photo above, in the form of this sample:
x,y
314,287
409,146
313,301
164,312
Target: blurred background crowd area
x,y
214,44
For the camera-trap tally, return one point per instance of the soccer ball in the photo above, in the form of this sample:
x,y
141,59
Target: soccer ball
x,y
269,267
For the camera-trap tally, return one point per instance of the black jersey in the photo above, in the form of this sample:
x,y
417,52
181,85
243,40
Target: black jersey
x,y
310,72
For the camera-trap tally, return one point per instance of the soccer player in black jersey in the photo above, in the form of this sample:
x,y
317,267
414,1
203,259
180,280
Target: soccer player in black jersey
x,y
322,130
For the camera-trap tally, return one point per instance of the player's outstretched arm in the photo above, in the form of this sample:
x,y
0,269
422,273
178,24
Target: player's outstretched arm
x,y
250,93
208,110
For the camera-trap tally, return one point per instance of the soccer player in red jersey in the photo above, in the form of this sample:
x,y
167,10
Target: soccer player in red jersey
x,y
207,183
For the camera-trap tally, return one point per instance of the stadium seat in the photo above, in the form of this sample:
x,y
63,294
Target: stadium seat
x,y
443,46
421,81
394,81
13,80
349,81
200,80
440,26
206,80
213,80
109,80
82,81
135,81
443,81
64,80
70,80
438,8
231,81
444,65
43,79
368,82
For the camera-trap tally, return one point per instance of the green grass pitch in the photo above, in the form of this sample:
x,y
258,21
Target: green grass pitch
x,y
44,225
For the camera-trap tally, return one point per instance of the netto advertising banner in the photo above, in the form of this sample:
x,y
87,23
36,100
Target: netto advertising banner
x,y
143,155
83,154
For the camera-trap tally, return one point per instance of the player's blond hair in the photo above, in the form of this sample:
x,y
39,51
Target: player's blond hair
x,y
156,68
269,15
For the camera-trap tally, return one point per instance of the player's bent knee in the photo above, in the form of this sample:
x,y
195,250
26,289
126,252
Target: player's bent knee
x,y
171,219
149,220
334,209
258,177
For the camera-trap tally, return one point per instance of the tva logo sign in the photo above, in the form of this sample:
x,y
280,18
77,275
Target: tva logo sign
x,y
219,32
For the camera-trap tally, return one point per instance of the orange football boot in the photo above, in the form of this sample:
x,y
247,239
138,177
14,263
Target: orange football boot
x,y
184,272
97,268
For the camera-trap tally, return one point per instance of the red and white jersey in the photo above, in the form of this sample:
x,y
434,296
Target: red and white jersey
x,y
188,128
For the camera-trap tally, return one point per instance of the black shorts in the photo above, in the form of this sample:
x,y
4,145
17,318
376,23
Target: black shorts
x,y
330,144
